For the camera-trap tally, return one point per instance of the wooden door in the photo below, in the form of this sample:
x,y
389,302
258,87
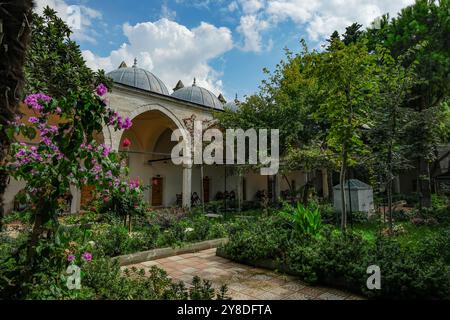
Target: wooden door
x,y
157,192
206,183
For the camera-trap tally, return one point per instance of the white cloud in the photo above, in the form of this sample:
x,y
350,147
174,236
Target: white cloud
x,y
83,32
251,27
251,6
166,12
319,17
233,6
171,51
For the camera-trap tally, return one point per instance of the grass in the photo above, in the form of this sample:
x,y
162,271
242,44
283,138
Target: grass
x,y
413,236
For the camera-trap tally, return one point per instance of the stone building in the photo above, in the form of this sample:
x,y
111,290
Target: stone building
x,y
156,113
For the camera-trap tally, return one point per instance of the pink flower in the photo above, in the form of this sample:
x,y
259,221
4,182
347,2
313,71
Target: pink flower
x,y
134,184
101,90
34,101
33,120
58,110
87,256
106,150
126,143
71,258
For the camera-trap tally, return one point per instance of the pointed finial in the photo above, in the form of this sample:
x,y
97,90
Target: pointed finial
x,y
195,82
180,85
236,99
135,63
222,99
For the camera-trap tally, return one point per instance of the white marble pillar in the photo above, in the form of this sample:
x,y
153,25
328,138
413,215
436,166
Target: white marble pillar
x,y
76,200
187,186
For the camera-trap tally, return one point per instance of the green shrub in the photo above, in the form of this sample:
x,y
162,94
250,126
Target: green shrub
x,y
329,214
265,238
406,274
114,240
304,219
101,278
341,259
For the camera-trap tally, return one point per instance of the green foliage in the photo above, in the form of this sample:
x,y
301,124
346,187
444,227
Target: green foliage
x,y
54,63
416,271
101,278
261,239
304,219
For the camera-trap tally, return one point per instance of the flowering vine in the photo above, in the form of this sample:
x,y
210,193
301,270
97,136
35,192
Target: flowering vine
x,y
64,153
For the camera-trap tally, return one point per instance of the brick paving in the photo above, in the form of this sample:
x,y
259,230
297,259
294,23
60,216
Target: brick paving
x,y
244,282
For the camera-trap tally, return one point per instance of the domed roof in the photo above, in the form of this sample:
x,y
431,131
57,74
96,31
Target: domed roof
x,y
138,78
198,95
233,105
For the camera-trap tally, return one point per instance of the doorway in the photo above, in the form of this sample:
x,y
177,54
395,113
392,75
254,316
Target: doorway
x,y
157,192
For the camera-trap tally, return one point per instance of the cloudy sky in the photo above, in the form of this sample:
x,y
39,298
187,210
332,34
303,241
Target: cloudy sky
x,y
225,44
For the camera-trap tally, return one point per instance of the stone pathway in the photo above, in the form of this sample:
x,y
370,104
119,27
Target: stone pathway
x,y
244,282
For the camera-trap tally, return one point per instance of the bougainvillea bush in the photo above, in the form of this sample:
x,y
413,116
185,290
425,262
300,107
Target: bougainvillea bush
x,y
62,153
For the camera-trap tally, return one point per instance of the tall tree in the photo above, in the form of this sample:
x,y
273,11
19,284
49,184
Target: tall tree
x,y
423,27
387,124
15,20
352,34
288,93
348,81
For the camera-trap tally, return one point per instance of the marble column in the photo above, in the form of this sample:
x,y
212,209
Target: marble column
x,y
76,200
187,186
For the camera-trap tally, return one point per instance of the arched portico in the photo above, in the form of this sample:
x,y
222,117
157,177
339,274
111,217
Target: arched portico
x,y
149,155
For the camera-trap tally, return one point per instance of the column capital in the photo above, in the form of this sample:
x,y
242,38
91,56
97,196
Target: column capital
x,y
187,166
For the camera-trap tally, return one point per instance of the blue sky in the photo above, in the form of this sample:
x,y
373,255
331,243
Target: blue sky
x,y
225,44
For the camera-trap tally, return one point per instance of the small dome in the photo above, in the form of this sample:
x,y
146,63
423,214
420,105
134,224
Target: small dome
x,y
198,95
138,78
233,105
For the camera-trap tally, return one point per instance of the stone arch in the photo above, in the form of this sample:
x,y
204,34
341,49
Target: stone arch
x,y
115,142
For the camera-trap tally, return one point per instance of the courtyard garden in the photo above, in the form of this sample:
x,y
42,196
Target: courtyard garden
x,y
365,107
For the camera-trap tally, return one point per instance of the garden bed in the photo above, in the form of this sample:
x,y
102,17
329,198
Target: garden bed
x,y
155,254
409,269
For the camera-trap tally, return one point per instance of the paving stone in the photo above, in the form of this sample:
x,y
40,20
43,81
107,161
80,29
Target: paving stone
x,y
150,263
237,287
280,291
311,291
243,282
268,296
253,292
262,277
189,270
175,258
330,296
293,286
239,296
298,296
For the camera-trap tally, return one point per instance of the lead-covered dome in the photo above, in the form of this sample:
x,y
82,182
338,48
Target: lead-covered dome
x,y
233,105
197,95
138,78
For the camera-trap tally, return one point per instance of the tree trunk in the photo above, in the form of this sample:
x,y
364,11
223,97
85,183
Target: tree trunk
x,y
15,19
325,186
44,213
342,186
424,182
35,235
389,185
389,198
